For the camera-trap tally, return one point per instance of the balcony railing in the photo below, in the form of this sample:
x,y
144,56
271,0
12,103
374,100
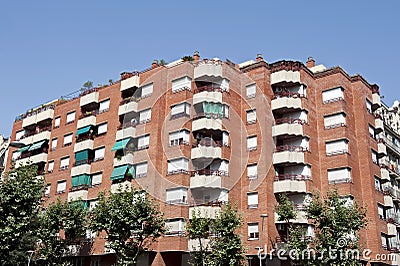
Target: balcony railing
x,y
208,115
291,148
209,172
208,89
289,120
82,162
289,94
177,172
80,187
89,113
208,143
214,203
35,112
37,131
130,99
292,177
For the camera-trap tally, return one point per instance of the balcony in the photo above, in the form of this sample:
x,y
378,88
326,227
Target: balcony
x,y
43,114
89,98
120,187
285,76
199,179
388,201
83,168
207,94
205,211
206,152
130,83
207,123
379,127
88,119
126,159
44,134
78,195
34,159
288,126
209,70
126,131
289,154
86,144
291,183
385,172
287,101
376,101
300,219
392,230
127,106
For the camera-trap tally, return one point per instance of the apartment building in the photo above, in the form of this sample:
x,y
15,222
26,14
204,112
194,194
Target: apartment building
x,y
195,134
4,144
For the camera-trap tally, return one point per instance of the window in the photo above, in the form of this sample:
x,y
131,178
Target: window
x,y
67,139
145,116
252,230
64,163
371,131
54,144
176,195
335,120
141,170
181,84
374,157
339,175
384,241
47,190
175,227
225,85
369,106
61,186
102,129
104,106
251,91
16,155
177,166
50,167
226,111
333,95
180,110
337,147
143,142
252,171
97,179
57,122
147,90
19,134
225,138
252,200
252,143
71,117
179,137
381,212
378,185
99,154
251,116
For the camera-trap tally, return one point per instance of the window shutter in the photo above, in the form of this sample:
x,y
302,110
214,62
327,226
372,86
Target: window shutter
x,y
141,169
340,175
252,199
180,84
54,143
57,121
71,117
143,141
104,106
145,116
97,179
102,128
251,116
61,186
19,134
252,143
335,120
176,195
251,91
64,163
252,171
332,95
50,167
147,90
67,139
177,109
99,154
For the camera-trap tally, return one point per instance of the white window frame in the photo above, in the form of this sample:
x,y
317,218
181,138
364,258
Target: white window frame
x,y
252,200
104,106
251,116
251,91
145,116
97,179
57,121
61,186
143,142
19,134
143,167
179,195
179,137
103,127
250,145
333,95
340,119
67,137
64,163
181,84
99,153
252,171
178,166
50,166
175,223
253,232
71,116
146,90
47,190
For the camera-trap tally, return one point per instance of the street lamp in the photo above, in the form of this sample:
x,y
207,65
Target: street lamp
x,y
263,216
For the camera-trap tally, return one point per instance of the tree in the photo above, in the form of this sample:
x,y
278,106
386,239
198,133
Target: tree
x,y
187,58
219,244
336,224
67,218
87,85
131,220
20,198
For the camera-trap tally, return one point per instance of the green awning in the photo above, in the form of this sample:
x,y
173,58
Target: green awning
x,y
36,145
82,155
120,171
81,180
121,144
24,148
83,130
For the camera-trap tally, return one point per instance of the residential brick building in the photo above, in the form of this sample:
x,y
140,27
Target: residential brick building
x,y
196,134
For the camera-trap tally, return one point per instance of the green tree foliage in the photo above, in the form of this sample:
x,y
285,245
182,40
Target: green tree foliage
x,y
336,224
187,58
67,218
87,85
20,198
132,222
218,242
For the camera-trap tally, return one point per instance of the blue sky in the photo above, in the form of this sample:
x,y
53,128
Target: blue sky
x,y
50,48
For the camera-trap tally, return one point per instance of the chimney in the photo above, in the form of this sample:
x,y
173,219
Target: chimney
x,y
259,58
196,56
154,64
310,62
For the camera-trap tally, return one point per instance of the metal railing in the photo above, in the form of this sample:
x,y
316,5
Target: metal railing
x,y
291,148
292,177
